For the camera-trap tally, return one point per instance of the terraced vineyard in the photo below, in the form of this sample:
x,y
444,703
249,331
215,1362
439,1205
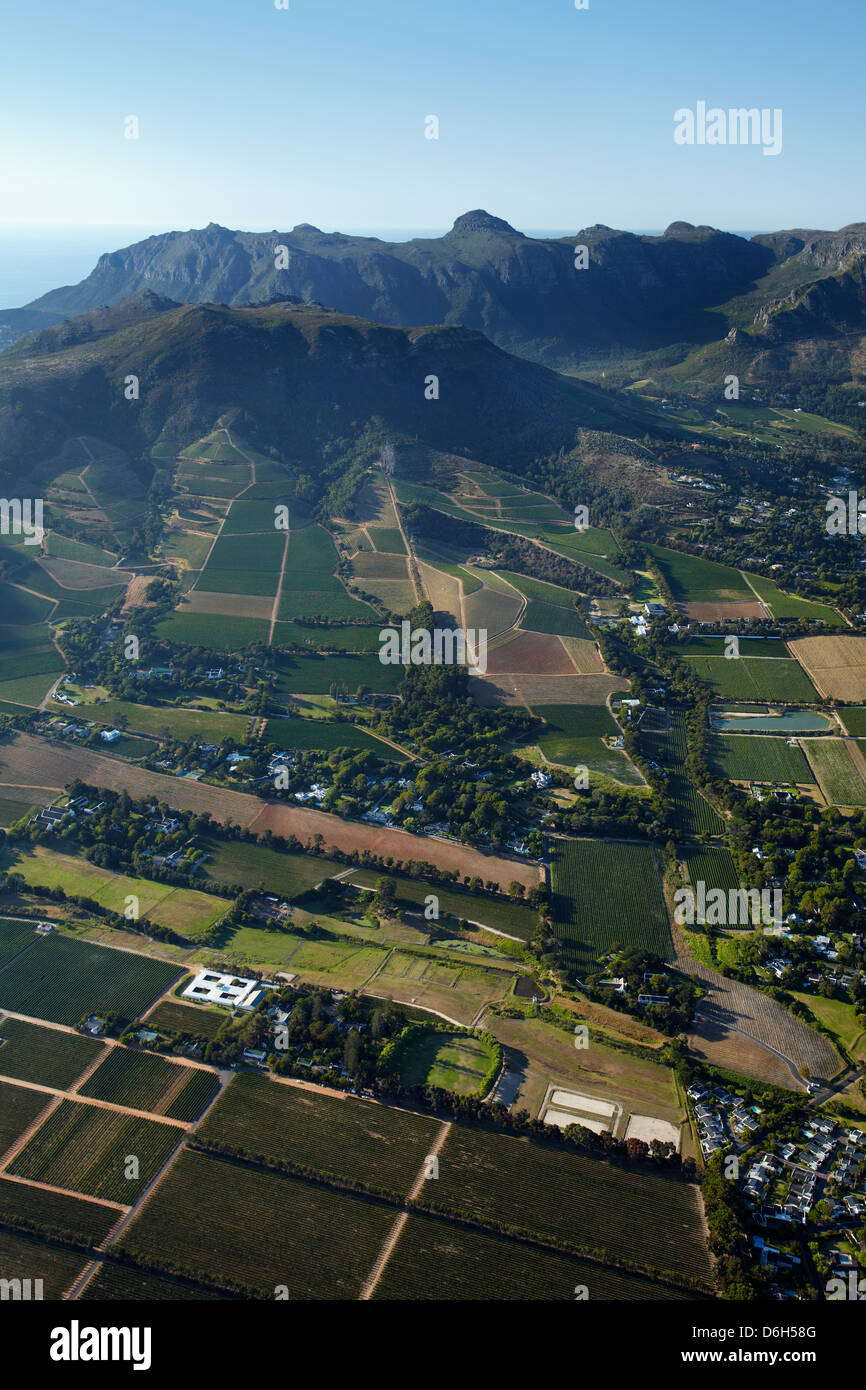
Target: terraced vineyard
x,y
607,892
143,1081
635,1217
85,1148
372,1144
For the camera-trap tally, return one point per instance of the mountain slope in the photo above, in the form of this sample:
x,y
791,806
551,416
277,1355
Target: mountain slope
x,y
308,380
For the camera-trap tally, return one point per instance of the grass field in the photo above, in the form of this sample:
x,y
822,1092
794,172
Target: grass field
x,y
211,726
373,1144
836,772
437,1261
753,758
18,1109
574,737
784,605
842,1021
642,1217
324,734
176,1019
212,1218
257,866
185,910
85,1148
455,1061
514,919
607,892
754,678
44,1055
63,980
143,1081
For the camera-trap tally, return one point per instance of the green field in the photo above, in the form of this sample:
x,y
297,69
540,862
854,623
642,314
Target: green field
x,y
693,580
784,605
436,1261
257,866
62,980
353,637
754,678
44,1055
214,631
15,937
215,1219
593,1206
325,734
144,1081
85,1148
184,910
836,772
754,758
574,738
713,867
387,540
455,1061
178,1019
376,1145
514,919
314,675
854,720
209,725
607,893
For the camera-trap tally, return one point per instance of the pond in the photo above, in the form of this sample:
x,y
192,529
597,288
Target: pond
x,y
788,721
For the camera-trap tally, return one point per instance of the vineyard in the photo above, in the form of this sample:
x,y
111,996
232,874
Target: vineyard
x,y
14,937
55,1212
186,1019
263,1229
754,678
367,1143
607,892
114,1282
84,1148
22,1257
713,867
692,814
43,1055
752,758
18,1109
143,1081
646,1219
836,772
61,980
435,1260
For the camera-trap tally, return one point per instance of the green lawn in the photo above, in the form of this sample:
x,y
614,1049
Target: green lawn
x,y
455,1061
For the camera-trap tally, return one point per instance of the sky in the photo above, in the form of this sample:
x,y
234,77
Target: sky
x,y
549,116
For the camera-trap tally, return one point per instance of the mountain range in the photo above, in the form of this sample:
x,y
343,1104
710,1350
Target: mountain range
x,y
692,301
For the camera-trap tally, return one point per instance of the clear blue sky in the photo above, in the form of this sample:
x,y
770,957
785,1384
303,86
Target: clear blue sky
x,y
550,117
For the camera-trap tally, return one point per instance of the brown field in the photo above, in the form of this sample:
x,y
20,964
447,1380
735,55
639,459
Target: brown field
x,y
585,655
135,596
530,653
545,690
837,665
443,590
715,612
717,1047
27,758
231,605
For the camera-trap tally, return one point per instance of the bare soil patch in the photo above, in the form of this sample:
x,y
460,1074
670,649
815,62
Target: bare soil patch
x,y
530,653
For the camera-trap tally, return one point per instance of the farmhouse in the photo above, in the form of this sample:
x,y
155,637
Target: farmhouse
x,y
233,991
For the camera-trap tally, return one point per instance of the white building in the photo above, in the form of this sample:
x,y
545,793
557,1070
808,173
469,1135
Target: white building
x,y
232,991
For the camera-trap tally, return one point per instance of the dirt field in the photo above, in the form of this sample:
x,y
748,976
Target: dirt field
x,y
530,653
545,690
837,665
232,605
715,1045
135,594
28,760
715,612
